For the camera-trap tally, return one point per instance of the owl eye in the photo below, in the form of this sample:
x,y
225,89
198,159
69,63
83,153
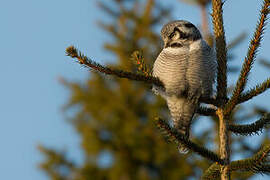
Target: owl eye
x,y
172,35
175,34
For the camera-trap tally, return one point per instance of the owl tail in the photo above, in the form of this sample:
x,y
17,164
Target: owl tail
x,y
182,111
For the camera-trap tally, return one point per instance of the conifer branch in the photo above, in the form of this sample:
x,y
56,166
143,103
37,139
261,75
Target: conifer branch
x,y
265,63
237,40
205,111
212,173
221,50
213,101
259,89
259,163
87,62
55,159
250,58
173,135
251,129
110,11
139,61
143,77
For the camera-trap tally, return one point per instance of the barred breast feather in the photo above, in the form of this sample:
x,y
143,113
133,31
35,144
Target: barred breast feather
x,y
171,68
190,69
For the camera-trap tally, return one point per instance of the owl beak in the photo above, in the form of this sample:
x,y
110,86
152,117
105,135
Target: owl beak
x,y
167,44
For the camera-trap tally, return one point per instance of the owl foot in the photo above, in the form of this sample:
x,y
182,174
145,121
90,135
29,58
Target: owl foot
x,y
182,149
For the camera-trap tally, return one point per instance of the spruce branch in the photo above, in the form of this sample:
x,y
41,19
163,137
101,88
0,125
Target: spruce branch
x,y
143,77
221,50
87,62
257,90
138,59
173,135
212,173
213,101
251,129
58,158
259,163
237,40
206,111
265,63
250,58
110,11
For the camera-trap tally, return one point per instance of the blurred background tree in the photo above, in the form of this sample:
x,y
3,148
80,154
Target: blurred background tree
x,y
114,116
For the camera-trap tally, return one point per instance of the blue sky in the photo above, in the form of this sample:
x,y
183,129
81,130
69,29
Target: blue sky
x,y
34,35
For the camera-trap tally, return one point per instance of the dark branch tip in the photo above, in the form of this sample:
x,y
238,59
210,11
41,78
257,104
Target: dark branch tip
x,y
251,129
71,51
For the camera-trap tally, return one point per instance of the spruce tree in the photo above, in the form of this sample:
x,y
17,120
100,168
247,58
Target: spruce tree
x,y
117,115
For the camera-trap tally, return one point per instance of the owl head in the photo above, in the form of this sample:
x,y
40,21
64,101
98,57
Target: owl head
x,y
179,33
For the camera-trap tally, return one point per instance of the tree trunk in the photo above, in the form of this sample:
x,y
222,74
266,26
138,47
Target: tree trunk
x,y
224,146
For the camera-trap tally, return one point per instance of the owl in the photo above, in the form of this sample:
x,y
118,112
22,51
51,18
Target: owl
x,y
187,68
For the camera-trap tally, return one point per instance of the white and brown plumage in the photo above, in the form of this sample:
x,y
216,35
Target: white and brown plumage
x,y
187,68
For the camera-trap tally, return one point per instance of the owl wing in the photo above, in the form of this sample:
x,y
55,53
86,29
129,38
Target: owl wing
x,y
201,71
210,65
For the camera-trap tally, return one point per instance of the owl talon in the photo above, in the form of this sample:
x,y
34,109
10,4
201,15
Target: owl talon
x,y
182,149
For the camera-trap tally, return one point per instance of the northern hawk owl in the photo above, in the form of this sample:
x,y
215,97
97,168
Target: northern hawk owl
x,y
187,68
